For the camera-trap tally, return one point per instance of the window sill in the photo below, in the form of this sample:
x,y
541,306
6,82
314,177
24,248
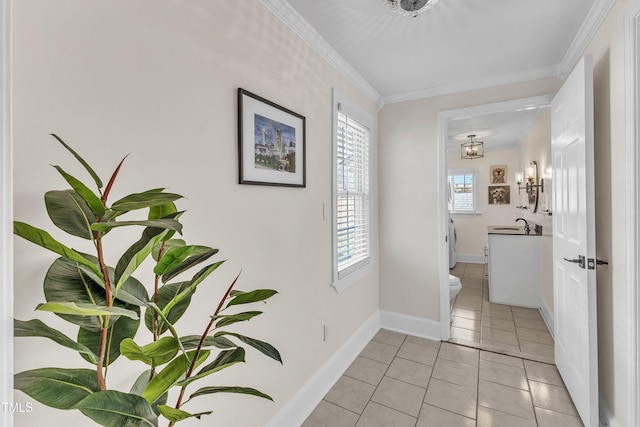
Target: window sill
x,y
465,213
340,285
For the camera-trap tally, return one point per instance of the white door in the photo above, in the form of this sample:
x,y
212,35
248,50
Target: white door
x,y
576,345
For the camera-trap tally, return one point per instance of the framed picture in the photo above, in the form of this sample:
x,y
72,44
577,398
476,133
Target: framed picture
x,y
498,174
500,195
271,143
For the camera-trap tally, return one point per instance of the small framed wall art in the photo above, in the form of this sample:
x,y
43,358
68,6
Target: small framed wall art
x,y
271,143
498,174
500,195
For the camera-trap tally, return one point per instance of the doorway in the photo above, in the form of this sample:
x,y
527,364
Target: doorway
x,y
445,120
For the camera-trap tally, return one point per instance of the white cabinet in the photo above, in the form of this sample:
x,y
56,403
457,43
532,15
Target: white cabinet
x,y
514,269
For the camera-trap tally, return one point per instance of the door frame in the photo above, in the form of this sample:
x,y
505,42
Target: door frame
x,y
6,218
632,208
540,101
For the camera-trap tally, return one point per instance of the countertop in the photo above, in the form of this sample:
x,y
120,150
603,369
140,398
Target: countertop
x,y
513,230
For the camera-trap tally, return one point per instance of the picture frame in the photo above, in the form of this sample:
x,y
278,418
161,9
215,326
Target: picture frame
x,y
499,194
271,143
498,174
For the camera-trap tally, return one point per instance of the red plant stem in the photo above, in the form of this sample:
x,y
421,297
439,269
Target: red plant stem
x,y
199,348
103,332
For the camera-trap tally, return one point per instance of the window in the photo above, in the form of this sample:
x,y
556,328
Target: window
x,y
352,239
462,191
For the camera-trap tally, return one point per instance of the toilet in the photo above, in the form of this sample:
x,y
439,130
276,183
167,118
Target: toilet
x,y
454,286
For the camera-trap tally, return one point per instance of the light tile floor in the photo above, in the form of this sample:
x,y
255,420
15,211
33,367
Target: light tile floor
x,y
516,331
400,380
497,371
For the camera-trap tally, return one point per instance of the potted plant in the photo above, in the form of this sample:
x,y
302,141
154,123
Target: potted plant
x,y
107,305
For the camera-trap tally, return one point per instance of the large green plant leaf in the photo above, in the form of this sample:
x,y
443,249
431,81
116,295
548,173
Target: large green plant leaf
x,y
44,239
123,328
162,211
175,415
201,254
165,294
166,246
192,341
147,199
136,260
153,354
70,213
263,347
164,223
193,284
66,281
139,386
93,201
229,389
224,360
56,387
112,408
229,319
37,328
253,296
172,258
81,309
124,261
171,374
81,160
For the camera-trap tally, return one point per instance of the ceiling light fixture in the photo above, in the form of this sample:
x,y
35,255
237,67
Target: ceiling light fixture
x,y
472,149
410,7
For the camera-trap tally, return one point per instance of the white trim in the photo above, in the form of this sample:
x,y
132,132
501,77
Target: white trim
x,y
411,325
548,318
6,230
300,406
289,16
606,417
443,217
596,15
491,81
632,178
471,259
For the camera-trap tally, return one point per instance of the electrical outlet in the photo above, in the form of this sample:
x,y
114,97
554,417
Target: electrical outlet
x,y
325,332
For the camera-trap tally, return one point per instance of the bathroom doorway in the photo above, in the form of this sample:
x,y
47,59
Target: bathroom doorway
x,y
512,330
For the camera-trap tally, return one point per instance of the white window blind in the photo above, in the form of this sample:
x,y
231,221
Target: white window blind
x,y
352,195
462,192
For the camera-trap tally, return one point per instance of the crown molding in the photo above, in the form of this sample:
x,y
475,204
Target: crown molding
x,y
289,16
597,14
491,81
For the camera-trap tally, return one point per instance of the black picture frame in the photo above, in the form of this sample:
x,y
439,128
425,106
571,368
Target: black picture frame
x,y
271,143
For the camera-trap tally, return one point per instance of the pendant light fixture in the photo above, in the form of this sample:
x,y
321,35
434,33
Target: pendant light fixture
x,y
472,149
410,7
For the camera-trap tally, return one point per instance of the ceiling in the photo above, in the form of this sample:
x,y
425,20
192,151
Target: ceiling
x,y
457,45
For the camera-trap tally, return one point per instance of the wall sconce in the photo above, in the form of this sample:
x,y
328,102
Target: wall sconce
x,y
531,176
531,185
472,149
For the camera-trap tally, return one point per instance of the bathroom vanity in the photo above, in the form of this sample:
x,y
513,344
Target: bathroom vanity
x,y
514,266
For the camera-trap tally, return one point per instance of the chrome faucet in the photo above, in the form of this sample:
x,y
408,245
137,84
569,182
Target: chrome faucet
x,y
526,225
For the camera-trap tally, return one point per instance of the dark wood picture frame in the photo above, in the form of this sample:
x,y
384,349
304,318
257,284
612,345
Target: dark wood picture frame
x,y
271,143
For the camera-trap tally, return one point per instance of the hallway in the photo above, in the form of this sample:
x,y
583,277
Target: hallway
x,y
496,371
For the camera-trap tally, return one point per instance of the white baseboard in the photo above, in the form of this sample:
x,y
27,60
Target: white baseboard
x,y
471,259
300,406
548,318
606,417
417,326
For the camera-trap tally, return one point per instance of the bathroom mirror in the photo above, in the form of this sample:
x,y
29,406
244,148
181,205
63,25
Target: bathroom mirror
x,y
532,188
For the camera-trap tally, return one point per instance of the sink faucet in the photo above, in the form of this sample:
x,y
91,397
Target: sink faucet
x,y
526,225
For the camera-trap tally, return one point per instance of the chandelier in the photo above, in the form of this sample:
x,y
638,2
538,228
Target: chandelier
x,y
472,149
410,7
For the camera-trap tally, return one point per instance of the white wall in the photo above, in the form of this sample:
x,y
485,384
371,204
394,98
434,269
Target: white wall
x,y
472,229
409,232
158,79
